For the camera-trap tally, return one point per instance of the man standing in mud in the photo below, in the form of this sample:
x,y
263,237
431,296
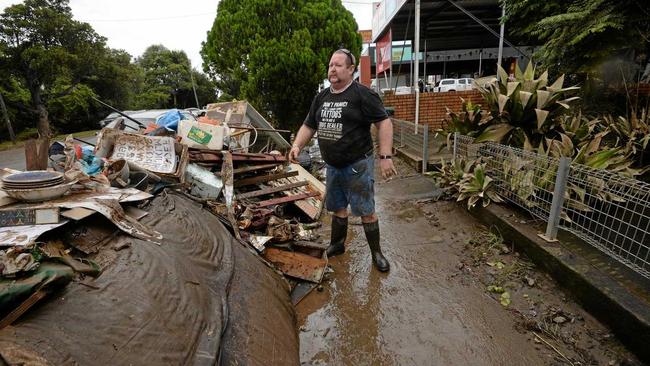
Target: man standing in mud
x,y
342,115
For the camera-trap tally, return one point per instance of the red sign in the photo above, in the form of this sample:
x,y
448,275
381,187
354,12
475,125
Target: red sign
x,y
384,52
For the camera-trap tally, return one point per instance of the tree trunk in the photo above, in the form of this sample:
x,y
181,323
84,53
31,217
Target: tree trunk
x,y
36,151
12,135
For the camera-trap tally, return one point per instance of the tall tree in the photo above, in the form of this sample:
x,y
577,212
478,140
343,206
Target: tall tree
x,y
50,54
274,53
168,82
579,36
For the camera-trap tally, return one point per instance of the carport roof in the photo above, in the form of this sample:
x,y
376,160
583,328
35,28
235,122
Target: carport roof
x,y
444,26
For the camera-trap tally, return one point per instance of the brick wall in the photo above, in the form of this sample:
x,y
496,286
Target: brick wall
x,y
432,105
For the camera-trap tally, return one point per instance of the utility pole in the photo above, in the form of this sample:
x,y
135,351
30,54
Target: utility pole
x,y
196,98
6,115
501,34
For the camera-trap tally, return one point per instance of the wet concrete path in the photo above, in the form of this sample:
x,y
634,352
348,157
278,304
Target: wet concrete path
x,y
414,315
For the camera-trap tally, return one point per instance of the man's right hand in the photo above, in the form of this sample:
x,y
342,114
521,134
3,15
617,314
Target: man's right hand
x,y
293,154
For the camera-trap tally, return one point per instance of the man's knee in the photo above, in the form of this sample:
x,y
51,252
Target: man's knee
x,y
342,213
369,218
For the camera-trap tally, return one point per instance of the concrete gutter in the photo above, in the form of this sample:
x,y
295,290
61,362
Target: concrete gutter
x,y
611,292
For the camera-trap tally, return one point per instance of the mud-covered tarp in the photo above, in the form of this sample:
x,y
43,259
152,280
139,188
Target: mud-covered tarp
x,y
199,298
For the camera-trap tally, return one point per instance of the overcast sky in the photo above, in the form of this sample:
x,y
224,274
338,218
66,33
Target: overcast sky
x,y
133,25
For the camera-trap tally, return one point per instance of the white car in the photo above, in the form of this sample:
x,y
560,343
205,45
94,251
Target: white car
x,y
446,85
145,117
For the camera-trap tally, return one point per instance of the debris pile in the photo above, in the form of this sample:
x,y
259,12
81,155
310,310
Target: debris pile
x,y
232,161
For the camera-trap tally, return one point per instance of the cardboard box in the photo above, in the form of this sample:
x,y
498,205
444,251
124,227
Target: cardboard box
x,y
201,135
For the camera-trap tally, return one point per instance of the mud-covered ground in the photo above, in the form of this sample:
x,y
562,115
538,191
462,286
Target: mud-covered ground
x,y
455,295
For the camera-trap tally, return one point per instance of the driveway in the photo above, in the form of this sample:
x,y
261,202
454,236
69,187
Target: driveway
x,y
433,308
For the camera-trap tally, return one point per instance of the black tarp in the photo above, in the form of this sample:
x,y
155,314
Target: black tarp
x,y
199,298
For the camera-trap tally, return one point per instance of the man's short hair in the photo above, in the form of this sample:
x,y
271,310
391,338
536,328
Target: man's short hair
x,y
351,60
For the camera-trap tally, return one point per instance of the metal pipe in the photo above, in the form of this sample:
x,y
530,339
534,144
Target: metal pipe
x,y
487,27
119,112
416,72
558,199
501,33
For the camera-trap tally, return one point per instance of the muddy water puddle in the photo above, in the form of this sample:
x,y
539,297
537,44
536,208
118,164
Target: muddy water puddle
x,y
431,308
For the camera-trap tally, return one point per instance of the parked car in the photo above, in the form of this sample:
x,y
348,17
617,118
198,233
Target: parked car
x,y
145,117
446,85
196,111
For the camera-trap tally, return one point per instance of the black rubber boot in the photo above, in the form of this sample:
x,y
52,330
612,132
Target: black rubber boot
x,y
339,233
372,235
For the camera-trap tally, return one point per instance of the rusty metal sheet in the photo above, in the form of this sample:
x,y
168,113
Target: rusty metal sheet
x,y
154,153
297,265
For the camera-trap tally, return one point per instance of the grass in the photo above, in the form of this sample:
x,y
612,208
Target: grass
x,y
30,133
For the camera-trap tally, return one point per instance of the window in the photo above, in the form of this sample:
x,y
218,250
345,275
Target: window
x,y
461,81
447,82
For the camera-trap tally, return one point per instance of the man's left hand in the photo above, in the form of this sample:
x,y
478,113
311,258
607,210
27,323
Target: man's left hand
x,y
387,168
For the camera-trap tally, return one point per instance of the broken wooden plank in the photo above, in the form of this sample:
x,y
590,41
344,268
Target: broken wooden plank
x,y
310,244
254,168
271,190
215,156
263,178
28,216
312,207
297,265
36,157
281,200
303,174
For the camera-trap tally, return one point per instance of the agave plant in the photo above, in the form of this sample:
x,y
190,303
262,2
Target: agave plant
x,y
523,111
449,176
469,121
632,133
477,187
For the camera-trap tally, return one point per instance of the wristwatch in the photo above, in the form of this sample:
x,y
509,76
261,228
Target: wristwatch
x,y
383,157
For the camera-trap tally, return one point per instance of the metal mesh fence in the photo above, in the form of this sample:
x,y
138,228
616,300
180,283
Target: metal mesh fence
x,y
611,212
404,136
605,209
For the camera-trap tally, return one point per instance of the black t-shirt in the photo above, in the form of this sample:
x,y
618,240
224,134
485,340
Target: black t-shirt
x,y
343,123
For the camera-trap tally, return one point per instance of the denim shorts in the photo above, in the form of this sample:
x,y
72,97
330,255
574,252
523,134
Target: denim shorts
x,y
352,185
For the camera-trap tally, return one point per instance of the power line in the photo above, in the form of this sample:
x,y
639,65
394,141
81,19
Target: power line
x,y
356,2
148,19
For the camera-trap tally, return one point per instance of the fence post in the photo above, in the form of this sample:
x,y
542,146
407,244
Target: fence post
x,y
455,145
401,134
558,200
425,148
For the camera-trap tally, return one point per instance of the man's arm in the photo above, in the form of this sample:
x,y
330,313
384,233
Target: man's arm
x,y
302,138
385,134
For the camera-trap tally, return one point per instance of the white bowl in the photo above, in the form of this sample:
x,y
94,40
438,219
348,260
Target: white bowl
x,y
40,194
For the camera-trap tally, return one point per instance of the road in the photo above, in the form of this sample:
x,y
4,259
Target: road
x,y
432,308
15,158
